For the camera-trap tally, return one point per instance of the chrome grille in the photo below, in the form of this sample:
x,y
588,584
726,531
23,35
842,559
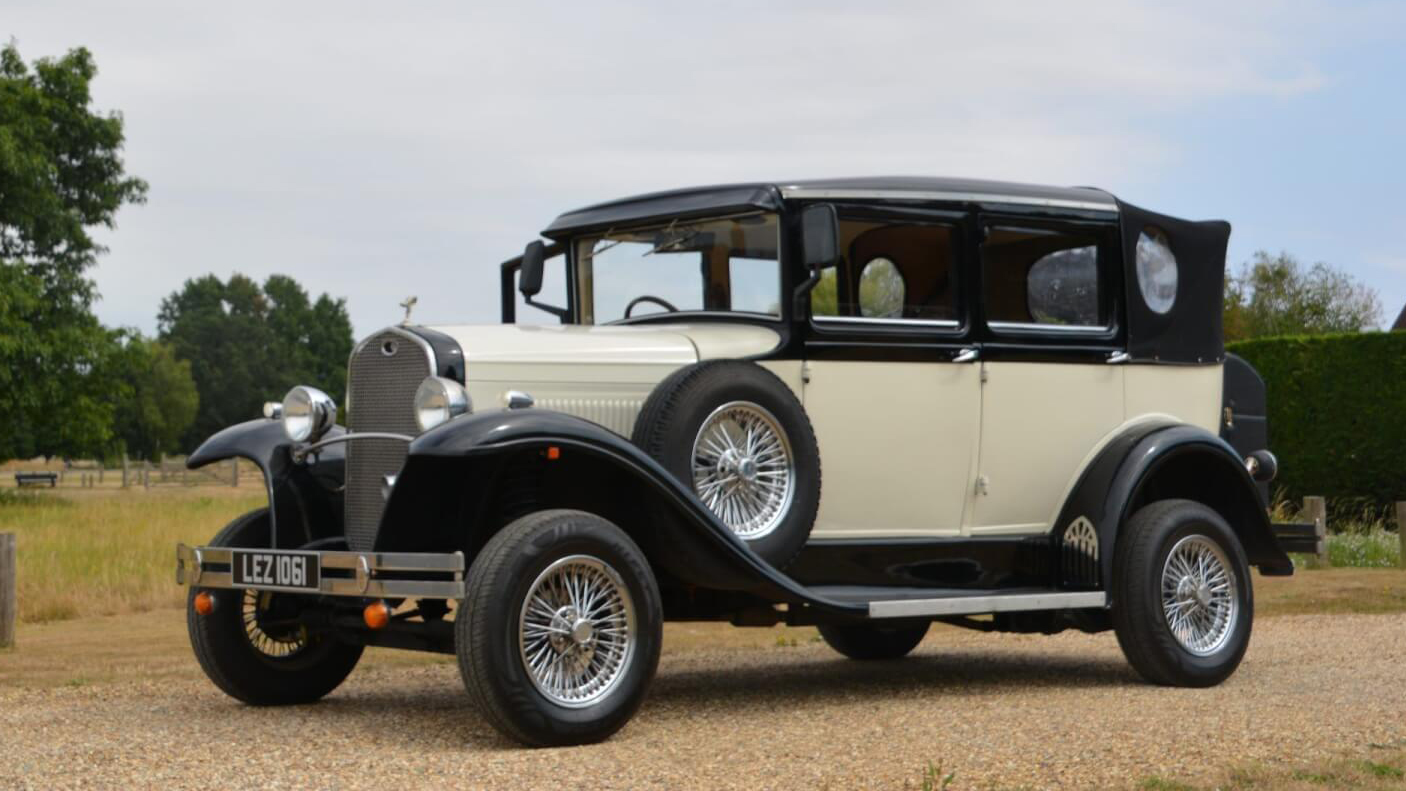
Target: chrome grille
x,y
382,377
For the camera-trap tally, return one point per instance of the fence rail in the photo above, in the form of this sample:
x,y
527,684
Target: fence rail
x,y
169,471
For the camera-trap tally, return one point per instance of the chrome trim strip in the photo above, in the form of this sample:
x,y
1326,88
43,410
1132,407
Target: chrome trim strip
x,y
1023,326
958,197
373,572
976,605
946,323
299,453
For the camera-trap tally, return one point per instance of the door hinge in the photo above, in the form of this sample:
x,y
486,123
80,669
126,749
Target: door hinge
x,y
983,484
805,372
985,374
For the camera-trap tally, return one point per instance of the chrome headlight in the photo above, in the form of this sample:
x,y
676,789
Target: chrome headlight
x,y
307,414
440,400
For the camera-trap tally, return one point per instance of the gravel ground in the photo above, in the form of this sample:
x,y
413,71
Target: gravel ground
x,y
999,710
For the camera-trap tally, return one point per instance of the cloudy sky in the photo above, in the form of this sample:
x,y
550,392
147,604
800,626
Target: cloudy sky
x,y
379,150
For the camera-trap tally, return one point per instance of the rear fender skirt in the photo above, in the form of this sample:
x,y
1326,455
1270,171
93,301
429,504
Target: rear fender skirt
x,y
474,454
305,500
1159,461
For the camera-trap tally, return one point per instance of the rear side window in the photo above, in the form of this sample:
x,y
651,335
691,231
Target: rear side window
x,y
1041,278
890,271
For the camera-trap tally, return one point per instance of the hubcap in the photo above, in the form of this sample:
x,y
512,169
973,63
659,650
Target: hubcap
x,y
576,632
743,469
1199,595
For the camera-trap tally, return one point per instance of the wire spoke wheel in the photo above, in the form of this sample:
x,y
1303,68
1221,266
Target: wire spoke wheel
x,y
1199,595
577,630
744,469
274,640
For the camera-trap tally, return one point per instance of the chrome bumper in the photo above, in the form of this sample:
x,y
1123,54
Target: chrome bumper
x,y
376,575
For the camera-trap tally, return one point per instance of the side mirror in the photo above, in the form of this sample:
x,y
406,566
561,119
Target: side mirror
x,y
820,236
530,275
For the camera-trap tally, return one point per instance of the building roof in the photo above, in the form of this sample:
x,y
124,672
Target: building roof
x,y
1400,320
769,195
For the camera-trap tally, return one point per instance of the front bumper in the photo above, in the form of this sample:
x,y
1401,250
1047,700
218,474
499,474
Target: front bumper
x,y
376,575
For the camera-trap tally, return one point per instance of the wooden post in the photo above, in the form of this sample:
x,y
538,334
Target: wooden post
x,y
124,471
1401,531
146,475
1316,508
9,606
234,473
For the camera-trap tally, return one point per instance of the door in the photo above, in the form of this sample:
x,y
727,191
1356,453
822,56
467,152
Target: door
x,y
895,416
1053,383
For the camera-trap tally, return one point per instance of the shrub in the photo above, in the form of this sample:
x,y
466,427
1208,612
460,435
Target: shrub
x,y
1337,413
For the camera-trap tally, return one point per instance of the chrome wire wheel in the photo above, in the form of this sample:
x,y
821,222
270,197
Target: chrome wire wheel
x,y
576,631
743,468
266,636
1200,598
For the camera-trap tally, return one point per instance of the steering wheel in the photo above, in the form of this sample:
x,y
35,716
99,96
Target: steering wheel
x,y
663,303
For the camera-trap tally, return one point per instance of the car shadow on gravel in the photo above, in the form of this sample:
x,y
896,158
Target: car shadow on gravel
x,y
837,680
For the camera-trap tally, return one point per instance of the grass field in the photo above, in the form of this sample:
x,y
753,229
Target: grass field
x,y
101,552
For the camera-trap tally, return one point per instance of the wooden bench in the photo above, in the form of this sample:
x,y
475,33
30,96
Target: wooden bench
x,y
36,478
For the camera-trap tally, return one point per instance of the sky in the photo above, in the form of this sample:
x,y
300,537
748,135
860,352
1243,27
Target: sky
x,y
374,151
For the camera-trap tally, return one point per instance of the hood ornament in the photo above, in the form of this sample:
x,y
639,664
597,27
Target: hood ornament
x,y
407,304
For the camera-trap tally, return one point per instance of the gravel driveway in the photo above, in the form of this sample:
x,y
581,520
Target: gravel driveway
x,y
999,710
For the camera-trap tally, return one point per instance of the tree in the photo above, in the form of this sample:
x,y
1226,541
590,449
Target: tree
x,y
61,173
1277,295
247,345
154,396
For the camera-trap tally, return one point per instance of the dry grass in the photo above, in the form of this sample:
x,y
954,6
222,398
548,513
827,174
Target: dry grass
x,y
97,552
1374,767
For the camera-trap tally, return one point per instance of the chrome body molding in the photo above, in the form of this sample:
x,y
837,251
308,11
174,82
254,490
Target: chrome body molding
x,y
977,605
358,574
807,193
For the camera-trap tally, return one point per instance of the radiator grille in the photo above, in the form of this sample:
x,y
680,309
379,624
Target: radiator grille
x,y
380,397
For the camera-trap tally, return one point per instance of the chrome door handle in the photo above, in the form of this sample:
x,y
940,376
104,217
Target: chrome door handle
x,y
1118,358
967,355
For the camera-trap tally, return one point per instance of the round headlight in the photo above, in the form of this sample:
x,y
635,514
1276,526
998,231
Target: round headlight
x,y
440,400
307,414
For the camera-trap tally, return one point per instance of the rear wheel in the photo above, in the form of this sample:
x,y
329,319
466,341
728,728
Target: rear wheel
x,y
1183,606
559,632
252,646
867,641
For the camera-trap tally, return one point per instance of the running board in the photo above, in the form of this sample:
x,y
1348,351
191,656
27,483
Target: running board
x,y
977,605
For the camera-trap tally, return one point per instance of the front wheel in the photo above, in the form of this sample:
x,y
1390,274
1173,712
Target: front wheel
x,y
252,645
558,635
1183,606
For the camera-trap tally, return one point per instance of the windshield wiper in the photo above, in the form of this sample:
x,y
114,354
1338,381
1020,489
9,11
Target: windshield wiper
x,y
689,235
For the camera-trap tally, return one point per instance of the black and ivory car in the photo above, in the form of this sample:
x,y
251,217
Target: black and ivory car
x,y
863,404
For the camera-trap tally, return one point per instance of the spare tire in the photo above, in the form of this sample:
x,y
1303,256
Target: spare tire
x,y
736,435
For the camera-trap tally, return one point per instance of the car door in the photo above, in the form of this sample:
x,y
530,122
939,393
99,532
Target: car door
x,y
1047,297
890,382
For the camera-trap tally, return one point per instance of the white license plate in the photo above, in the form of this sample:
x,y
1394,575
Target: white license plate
x,y
253,569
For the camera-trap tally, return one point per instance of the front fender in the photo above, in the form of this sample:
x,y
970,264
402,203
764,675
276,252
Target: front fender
x,y
305,499
1161,461
694,546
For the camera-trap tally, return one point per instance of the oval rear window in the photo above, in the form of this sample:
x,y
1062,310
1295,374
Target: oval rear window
x,y
1156,270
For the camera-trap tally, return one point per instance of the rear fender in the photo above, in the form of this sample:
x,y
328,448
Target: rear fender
x,y
305,499
466,479
1160,461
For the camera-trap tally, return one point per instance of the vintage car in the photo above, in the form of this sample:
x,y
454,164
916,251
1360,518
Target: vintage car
x,y
1018,396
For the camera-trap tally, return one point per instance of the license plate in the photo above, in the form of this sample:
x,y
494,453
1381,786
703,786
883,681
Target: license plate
x,y
296,570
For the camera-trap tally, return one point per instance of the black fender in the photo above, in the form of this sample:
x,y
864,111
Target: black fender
x,y
305,499
1161,460
567,461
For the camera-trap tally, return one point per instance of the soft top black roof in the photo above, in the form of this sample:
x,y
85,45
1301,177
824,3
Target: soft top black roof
x,y
768,196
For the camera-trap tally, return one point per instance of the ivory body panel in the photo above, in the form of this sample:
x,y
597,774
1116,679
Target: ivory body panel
x,y
896,444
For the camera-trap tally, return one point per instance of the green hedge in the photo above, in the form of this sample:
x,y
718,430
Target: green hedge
x,y
1337,413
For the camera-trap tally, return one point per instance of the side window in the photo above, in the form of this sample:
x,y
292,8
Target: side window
x,y
1041,277
893,271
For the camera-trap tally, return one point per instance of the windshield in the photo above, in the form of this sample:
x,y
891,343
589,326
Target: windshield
x,y
728,264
